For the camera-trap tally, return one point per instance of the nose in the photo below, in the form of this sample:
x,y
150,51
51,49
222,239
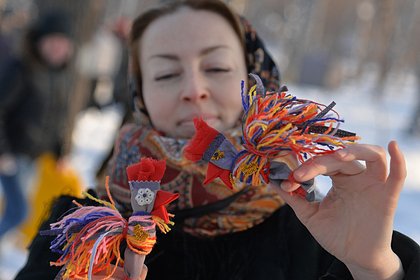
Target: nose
x,y
195,88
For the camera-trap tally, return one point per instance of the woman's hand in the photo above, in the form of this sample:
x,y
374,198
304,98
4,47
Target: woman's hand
x,y
8,165
120,275
354,222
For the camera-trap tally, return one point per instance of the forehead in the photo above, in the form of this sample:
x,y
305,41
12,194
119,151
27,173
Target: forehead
x,y
187,30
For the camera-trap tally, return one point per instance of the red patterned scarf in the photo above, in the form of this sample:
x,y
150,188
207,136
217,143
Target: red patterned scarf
x,y
185,178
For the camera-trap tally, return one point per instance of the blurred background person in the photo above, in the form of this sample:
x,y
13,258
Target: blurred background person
x,y
34,98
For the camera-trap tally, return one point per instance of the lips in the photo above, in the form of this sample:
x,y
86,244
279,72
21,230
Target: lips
x,y
186,126
189,121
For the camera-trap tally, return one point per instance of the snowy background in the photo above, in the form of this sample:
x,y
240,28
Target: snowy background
x,y
376,120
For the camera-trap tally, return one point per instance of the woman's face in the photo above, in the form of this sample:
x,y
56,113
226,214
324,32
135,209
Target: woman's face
x,y
192,65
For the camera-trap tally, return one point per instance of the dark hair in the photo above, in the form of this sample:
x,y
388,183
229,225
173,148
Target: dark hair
x,y
54,21
142,22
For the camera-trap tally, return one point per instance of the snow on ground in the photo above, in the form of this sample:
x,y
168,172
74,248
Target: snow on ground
x,y
377,121
93,137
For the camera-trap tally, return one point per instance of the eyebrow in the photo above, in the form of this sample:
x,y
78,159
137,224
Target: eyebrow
x,y
203,52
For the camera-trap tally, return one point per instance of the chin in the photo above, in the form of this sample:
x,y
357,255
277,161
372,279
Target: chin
x,y
217,124
182,133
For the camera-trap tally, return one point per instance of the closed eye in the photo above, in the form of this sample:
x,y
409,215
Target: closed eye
x,y
166,77
218,70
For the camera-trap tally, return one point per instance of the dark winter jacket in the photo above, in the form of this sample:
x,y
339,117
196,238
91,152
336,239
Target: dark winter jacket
x,y
280,248
33,108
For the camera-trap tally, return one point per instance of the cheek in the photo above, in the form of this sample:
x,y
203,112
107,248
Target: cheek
x,y
159,107
230,101
235,111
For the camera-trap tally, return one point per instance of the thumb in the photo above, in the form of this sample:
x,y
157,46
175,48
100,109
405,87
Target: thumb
x,y
143,272
303,209
398,169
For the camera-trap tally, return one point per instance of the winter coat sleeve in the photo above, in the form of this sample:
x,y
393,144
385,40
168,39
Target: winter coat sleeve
x,y
407,250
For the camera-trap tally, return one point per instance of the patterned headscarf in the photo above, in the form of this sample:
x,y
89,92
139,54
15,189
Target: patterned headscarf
x,y
138,140
259,61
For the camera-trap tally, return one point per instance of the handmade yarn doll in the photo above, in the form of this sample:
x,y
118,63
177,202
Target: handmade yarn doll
x,y
89,239
278,131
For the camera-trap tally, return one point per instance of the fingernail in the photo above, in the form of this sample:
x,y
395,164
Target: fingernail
x,y
286,185
298,173
342,153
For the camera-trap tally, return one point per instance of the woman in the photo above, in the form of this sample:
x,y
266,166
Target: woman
x,y
188,60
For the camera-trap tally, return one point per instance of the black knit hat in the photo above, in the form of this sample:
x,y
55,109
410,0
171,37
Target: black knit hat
x,y
54,21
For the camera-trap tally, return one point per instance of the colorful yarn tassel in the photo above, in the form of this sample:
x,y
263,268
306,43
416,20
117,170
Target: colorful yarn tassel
x,y
275,126
89,239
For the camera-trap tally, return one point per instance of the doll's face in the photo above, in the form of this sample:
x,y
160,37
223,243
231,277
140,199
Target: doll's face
x,y
192,65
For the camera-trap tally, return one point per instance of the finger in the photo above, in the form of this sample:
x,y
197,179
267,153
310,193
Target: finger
x,y
398,171
121,275
143,272
303,209
326,165
289,186
133,264
374,156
